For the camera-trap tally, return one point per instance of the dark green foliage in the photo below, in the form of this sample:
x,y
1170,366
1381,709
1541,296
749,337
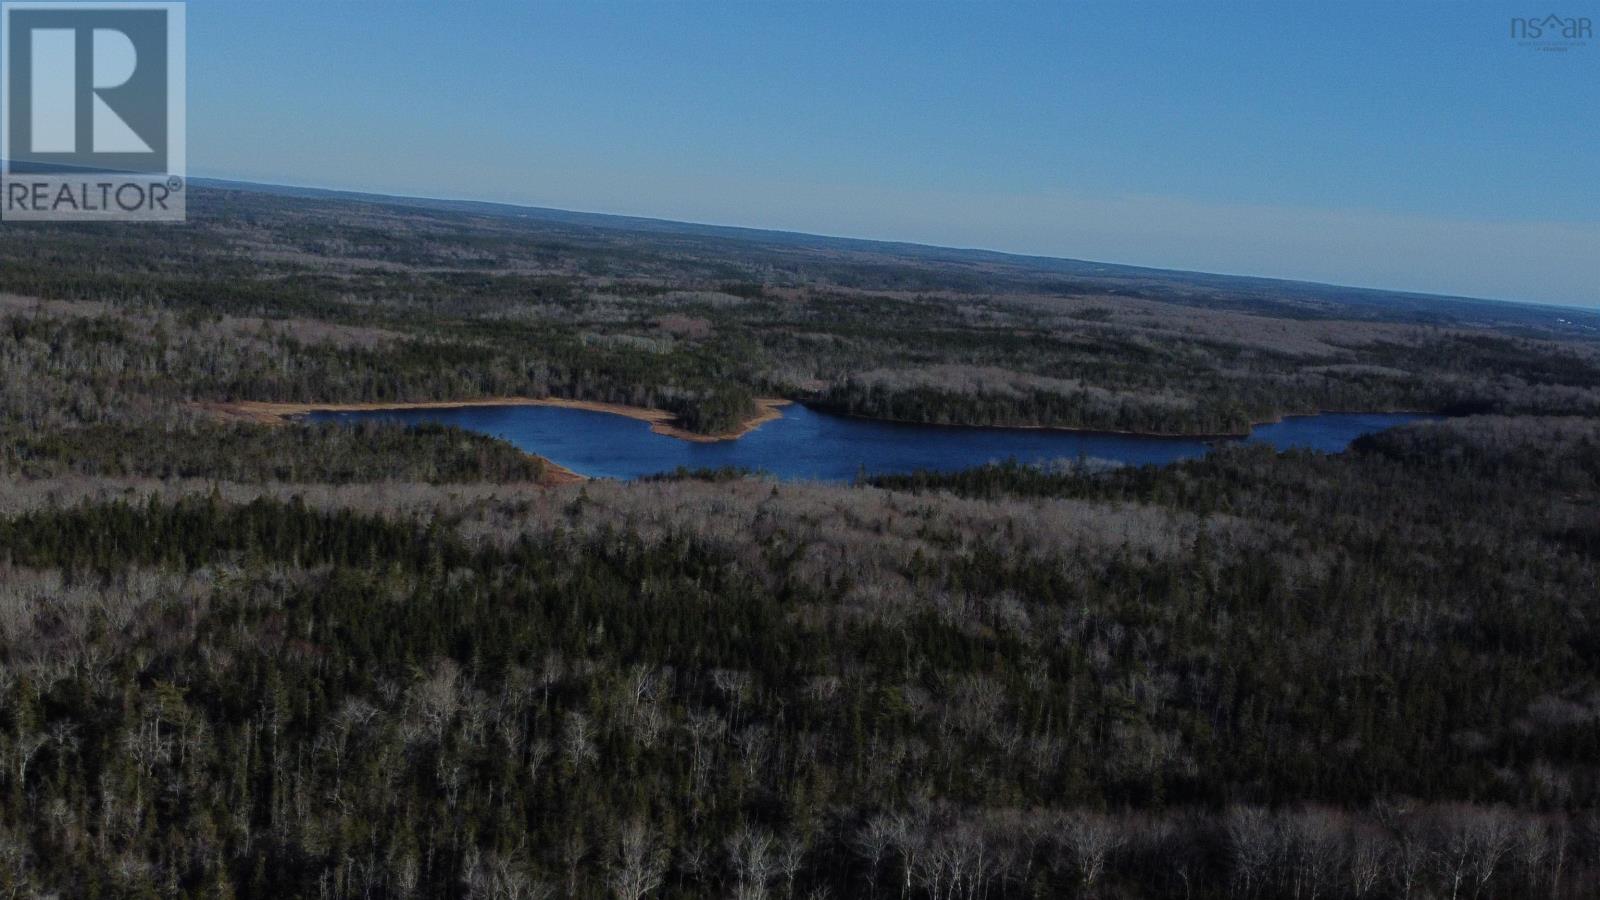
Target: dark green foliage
x,y
721,473
718,410
328,453
332,690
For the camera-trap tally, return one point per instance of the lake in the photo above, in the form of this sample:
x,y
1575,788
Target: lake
x,y
808,444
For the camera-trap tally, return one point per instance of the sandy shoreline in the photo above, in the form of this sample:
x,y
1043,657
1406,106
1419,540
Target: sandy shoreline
x,y
555,474
1164,435
661,422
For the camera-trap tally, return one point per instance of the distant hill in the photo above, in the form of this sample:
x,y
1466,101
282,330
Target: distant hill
x,y
1314,299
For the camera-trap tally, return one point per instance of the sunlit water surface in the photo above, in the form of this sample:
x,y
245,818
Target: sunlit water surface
x,y
813,445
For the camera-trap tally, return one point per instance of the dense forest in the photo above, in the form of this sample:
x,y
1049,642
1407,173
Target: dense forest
x,y
262,297
250,660
1284,675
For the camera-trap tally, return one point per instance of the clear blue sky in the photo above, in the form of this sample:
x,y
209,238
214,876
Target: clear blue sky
x,y
1402,145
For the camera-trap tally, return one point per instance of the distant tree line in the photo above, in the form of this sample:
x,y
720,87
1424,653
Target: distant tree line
x,y
472,307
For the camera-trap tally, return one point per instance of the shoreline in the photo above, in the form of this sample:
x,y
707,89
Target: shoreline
x,y
266,413
1163,435
271,412
555,474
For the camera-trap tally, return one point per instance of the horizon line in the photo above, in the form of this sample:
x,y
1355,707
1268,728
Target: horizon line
x,y
904,243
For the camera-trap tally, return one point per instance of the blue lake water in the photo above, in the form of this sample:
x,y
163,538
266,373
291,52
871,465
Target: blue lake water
x,y
813,445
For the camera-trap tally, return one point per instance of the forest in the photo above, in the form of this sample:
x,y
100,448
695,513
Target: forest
x,y
307,299
253,660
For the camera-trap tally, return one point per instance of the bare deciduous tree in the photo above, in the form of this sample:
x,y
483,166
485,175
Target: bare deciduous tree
x,y
1251,840
873,841
1090,838
750,851
638,863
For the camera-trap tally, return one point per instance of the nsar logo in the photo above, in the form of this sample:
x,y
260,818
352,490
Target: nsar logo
x,y
1553,32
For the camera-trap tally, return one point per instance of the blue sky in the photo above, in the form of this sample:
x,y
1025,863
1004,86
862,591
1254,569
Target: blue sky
x,y
1405,145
